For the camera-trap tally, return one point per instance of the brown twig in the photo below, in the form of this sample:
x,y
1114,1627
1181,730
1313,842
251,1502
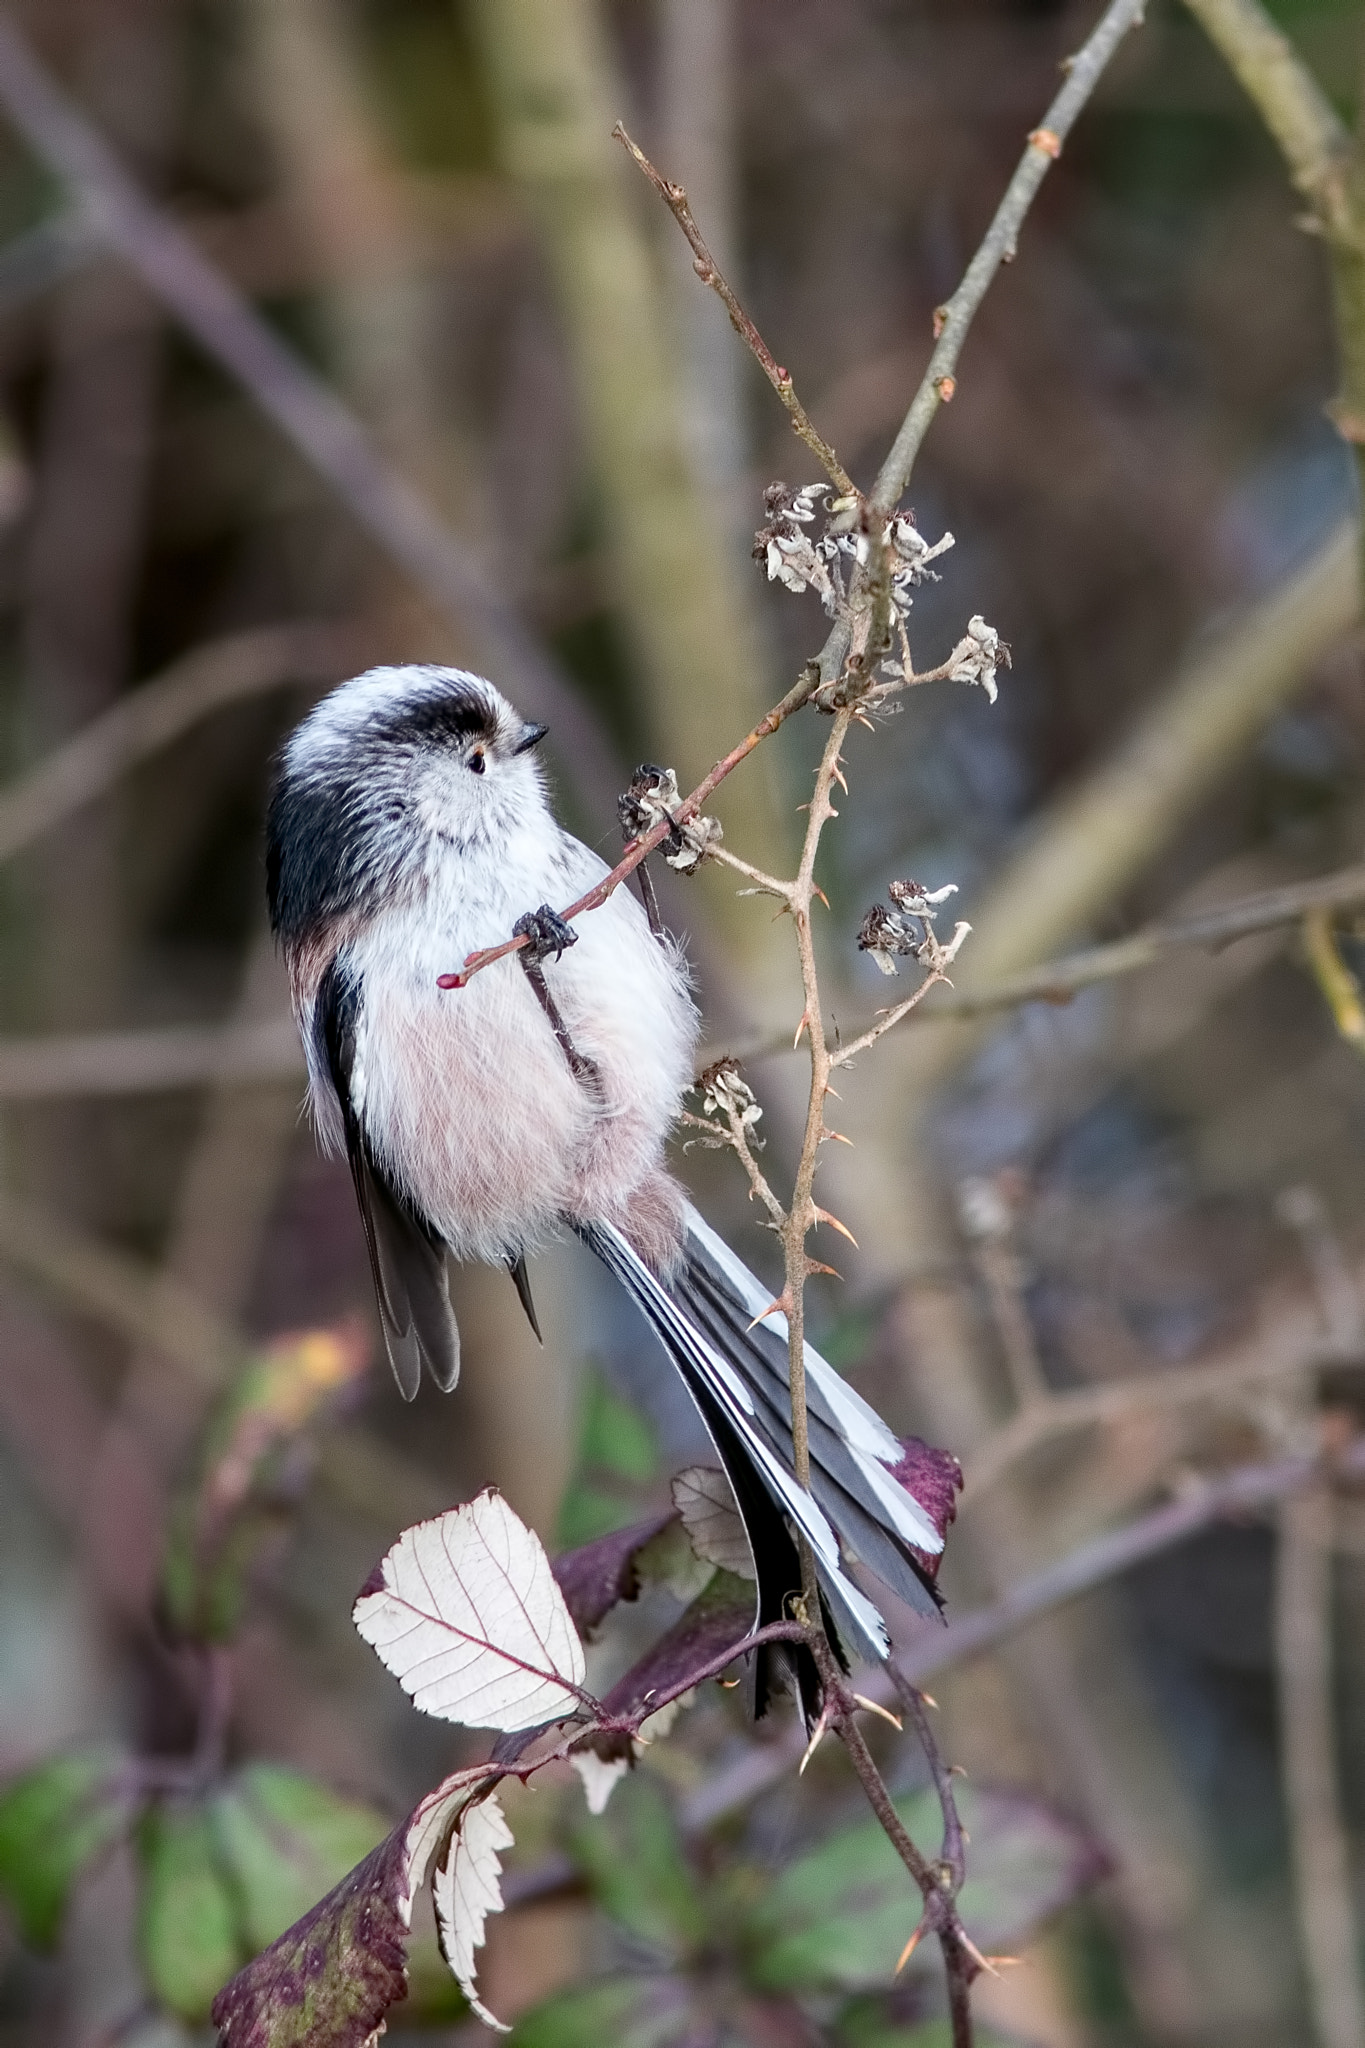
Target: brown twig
x,y
707,269
938,1882
952,320
307,411
1058,980
1319,1844
799,694
937,974
160,1059
802,1214
206,680
1288,98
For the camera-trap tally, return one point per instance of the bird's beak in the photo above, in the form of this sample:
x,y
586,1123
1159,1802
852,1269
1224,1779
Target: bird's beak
x,y
531,736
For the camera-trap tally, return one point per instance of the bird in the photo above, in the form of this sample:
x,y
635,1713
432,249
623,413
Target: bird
x,y
410,824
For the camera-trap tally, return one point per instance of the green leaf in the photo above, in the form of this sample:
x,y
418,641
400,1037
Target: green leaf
x,y
284,1840
615,1437
624,2012
633,1857
616,1453
842,1914
54,1820
188,1928
587,1512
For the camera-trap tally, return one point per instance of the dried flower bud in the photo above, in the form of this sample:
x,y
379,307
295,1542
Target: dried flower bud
x,y
976,658
915,898
908,930
724,1088
882,934
652,797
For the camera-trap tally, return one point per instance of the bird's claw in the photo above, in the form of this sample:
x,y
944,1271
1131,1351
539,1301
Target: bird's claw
x,y
546,933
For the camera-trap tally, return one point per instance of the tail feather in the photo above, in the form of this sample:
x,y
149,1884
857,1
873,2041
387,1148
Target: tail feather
x,y
877,1519
721,1396
736,1371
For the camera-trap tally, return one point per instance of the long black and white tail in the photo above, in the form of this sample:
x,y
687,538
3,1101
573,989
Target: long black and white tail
x,y
735,1369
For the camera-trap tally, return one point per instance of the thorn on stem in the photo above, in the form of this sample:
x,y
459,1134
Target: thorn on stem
x,y
823,1216
778,1307
875,1707
817,1737
910,1948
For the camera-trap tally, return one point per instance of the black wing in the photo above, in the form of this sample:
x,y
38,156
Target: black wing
x,y
407,1257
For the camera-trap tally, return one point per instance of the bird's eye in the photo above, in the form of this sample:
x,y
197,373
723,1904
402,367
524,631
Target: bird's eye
x,y
476,761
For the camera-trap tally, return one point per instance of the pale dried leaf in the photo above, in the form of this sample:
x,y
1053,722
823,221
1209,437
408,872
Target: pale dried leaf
x,y
467,1889
600,1776
705,1500
466,1614
428,1825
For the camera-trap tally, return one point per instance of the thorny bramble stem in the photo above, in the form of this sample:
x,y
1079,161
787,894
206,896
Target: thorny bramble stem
x,y
952,320
938,1882
704,263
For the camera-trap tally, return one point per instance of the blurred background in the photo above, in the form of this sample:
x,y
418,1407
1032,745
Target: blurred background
x,y
562,468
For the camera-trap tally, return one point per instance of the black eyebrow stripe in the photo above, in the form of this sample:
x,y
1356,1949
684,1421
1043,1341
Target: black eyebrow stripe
x,y
451,716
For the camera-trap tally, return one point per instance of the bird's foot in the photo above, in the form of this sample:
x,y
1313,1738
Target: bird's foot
x,y
546,934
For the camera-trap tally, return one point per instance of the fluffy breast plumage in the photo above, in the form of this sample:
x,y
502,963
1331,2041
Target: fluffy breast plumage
x,y
466,1099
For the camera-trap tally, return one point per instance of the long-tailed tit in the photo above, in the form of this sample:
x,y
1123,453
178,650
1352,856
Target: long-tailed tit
x,y
409,826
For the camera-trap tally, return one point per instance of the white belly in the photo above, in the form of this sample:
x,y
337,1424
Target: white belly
x,y
465,1096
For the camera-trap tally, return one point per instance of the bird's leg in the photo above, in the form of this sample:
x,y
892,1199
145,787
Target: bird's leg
x,y
547,937
649,899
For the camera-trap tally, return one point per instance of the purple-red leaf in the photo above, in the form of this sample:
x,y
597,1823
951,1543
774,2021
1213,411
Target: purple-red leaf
x,y
329,1979
596,1576
719,1619
934,1478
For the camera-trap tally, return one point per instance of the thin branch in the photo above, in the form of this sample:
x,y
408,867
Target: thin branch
x,y
707,269
1293,1349
206,680
889,1019
1237,1492
1319,1846
1288,98
952,321
152,1062
764,884
938,1882
1061,979
117,1290
1057,981
800,693
308,412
